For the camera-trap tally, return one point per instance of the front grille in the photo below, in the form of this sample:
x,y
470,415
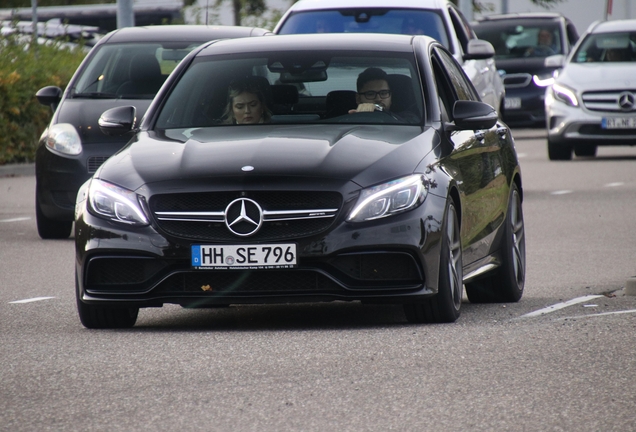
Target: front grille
x,y
609,101
243,282
380,266
200,216
95,162
517,80
122,270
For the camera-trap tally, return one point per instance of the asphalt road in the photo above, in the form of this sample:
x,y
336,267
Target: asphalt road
x,y
562,359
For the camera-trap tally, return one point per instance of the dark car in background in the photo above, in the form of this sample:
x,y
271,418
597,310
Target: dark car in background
x,y
523,42
403,203
126,66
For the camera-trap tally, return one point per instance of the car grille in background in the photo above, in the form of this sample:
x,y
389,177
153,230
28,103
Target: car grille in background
x,y
517,80
95,162
216,202
609,101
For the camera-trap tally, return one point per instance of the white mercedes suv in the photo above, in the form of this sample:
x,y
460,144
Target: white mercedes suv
x,y
593,99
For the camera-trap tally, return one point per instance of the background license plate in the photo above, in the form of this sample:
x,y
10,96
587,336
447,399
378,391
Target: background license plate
x,y
512,103
619,123
244,256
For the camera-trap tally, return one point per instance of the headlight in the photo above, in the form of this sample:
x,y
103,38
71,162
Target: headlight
x,y
390,198
63,138
565,95
543,80
112,202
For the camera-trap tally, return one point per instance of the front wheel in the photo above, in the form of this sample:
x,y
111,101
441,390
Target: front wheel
x,y
559,151
444,307
50,228
507,282
104,317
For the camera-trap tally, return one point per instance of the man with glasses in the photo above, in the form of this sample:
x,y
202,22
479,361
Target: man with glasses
x,y
374,92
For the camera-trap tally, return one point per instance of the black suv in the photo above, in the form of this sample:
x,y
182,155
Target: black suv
x,y
523,42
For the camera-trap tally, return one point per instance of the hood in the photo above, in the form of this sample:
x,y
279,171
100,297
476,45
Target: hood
x,y
598,76
531,65
84,113
364,154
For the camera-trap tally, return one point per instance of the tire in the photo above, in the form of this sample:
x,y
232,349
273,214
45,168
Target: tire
x,y
104,317
444,307
559,151
585,150
506,283
50,228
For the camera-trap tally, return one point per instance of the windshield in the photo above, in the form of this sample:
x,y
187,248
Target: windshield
x,y
395,21
129,70
293,88
519,39
607,47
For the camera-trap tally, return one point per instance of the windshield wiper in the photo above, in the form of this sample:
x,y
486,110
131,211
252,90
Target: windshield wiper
x,y
95,95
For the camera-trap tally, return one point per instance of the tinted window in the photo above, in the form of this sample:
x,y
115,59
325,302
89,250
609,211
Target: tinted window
x,y
607,47
396,21
518,39
129,70
317,87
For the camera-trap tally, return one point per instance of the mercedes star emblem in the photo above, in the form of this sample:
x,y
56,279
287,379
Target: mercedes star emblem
x,y
626,101
243,217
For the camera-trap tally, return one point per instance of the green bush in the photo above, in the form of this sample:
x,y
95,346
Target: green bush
x,y
24,69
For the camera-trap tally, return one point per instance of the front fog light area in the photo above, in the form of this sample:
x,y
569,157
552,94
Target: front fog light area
x,y
389,198
112,202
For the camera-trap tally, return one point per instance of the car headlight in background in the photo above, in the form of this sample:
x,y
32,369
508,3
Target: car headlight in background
x,y
543,80
565,95
63,138
389,198
117,204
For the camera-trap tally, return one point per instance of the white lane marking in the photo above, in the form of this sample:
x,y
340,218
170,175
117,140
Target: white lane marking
x,y
15,219
614,184
561,192
522,155
599,314
556,307
34,299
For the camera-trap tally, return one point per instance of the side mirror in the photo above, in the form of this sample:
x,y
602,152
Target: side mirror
x,y
49,96
554,61
473,115
117,121
479,49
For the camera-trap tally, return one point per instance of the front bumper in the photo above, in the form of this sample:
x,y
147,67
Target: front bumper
x,y
392,260
568,125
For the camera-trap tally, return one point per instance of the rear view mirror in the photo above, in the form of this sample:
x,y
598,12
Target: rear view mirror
x,y
117,121
479,49
555,61
473,115
49,96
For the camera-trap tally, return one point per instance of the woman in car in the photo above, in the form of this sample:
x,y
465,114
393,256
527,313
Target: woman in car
x,y
246,103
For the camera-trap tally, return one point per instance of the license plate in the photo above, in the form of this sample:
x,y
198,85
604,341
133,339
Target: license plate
x,y
619,123
512,103
261,256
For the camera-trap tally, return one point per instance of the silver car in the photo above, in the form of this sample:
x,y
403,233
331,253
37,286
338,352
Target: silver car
x,y
593,99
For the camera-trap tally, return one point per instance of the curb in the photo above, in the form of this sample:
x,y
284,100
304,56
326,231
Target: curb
x,y
14,170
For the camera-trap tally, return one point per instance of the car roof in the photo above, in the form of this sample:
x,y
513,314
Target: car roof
x,y
316,42
303,5
197,33
521,15
614,26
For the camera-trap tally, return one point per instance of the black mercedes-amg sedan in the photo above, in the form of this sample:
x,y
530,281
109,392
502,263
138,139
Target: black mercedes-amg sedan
x,y
304,168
